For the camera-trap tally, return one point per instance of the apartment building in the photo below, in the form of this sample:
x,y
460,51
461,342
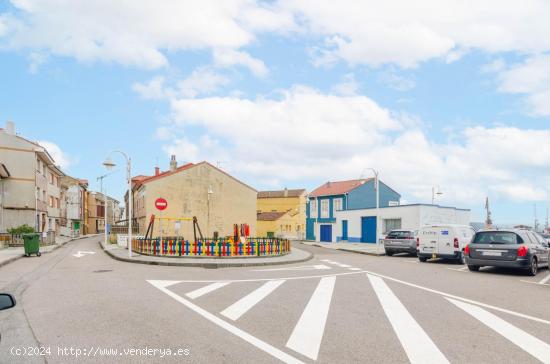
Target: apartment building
x,y
31,193
73,206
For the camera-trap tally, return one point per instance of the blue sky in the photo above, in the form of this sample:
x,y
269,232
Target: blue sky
x,y
292,94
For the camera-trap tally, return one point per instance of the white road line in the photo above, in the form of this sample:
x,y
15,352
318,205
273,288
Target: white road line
x,y
206,289
242,306
305,267
463,269
545,279
308,332
262,345
537,348
354,268
339,264
417,344
412,261
326,260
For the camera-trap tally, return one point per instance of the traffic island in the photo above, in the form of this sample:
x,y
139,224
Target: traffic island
x,y
172,256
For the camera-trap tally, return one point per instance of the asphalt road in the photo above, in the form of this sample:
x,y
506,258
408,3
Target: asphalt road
x,y
336,308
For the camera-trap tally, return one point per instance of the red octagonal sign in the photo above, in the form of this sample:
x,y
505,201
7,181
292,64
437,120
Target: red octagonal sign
x,y
161,203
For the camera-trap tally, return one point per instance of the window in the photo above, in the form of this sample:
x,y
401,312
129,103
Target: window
x,y
313,209
391,224
44,196
324,208
337,204
497,237
38,165
56,202
50,202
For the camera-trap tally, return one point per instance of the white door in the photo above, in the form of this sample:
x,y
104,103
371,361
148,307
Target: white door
x,y
428,240
445,242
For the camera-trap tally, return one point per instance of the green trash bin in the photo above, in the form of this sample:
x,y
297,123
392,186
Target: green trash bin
x,y
32,244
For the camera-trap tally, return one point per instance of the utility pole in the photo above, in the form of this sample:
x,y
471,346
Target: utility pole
x,y
536,227
488,221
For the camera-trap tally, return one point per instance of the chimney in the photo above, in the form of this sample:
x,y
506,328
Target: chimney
x,y
286,192
10,128
157,171
173,163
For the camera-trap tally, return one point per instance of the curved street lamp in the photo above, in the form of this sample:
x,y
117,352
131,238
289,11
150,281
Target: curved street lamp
x,y
108,163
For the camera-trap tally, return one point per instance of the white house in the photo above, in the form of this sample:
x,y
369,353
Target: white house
x,y
353,225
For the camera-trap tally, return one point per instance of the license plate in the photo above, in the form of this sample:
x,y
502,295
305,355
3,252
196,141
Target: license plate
x,y
492,254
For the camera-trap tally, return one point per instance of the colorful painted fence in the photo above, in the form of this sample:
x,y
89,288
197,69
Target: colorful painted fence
x,y
173,247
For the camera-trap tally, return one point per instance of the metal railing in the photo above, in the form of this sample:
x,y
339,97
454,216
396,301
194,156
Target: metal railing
x,y
222,247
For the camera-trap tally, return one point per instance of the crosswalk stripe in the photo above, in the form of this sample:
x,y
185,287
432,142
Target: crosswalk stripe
x,y
242,306
537,348
308,332
206,289
545,279
417,344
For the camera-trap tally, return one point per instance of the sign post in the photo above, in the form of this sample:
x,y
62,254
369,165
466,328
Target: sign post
x,y
161,204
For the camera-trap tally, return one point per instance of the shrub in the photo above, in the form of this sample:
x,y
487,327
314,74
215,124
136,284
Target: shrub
x,y
23,229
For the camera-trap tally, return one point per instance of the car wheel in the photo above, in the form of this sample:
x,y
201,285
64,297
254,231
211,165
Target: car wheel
x,y
389,253
473,268
534,268
422,259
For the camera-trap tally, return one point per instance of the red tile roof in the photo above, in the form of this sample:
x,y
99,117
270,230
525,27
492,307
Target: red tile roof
x,y
338,187
270,216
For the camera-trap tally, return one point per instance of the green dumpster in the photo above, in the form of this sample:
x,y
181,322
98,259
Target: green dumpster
x,y
32,244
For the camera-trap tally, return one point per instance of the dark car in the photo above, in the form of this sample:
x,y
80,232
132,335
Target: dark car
x,y
507,248
400,241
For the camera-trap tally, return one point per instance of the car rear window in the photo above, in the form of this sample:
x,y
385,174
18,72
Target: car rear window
x,y
399,235
497,237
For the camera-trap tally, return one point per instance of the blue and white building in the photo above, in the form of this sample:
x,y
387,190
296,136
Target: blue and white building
x,y
326,200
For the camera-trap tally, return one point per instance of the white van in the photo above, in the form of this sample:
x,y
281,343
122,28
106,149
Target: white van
x,y
443,241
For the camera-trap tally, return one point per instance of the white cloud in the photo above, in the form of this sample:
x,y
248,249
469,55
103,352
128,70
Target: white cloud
x,y
60,158
229,57
201,81
397,82
152,90
136,33
304,134
36,60
349,86
531,78
409,32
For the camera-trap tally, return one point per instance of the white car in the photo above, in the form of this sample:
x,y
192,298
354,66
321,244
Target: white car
x,y
443,241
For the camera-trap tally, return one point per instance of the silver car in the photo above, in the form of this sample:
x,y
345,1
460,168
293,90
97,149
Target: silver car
x,y
507,248
400,241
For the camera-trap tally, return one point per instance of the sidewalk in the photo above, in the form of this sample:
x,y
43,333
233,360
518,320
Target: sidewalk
x,y
118,253
8,255
360,248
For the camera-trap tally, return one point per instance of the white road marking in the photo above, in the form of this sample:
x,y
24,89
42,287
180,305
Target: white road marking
x,y
262,345
242,306
545,279
308,332
339,264
417,344
326,260
537,348
412,261
444,294
206,289
354,268
305,267
80,254
463,269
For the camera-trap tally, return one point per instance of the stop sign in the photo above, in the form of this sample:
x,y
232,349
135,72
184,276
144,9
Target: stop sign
x,y
161,204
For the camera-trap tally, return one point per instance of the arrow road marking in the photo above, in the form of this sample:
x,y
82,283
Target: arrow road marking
x,y
305,267
80,254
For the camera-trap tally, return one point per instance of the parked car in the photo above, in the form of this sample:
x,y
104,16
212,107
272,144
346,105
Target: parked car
x,y
546,237
400,241
508,248
443,241
6,301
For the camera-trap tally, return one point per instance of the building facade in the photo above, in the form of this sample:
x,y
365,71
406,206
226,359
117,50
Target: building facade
x,y
31,194
282,213
73,196
217,199
359,225
326,200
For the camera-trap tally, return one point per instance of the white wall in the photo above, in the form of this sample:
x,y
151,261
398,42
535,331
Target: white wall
x,y
412,217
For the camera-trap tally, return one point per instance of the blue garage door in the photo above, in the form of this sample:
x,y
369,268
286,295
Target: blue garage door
x,y
344,229
368,229
326,233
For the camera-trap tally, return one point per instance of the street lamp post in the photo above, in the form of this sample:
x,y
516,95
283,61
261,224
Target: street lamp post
x,y
434,192
376,187
110,164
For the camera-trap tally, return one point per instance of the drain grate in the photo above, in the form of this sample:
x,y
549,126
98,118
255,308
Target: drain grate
x,y
102,271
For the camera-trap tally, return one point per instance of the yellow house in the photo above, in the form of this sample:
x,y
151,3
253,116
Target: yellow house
x,y
217,199
282,213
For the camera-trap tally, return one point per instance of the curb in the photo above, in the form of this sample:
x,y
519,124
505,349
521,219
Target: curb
x,y
349,250
57,246
203,265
